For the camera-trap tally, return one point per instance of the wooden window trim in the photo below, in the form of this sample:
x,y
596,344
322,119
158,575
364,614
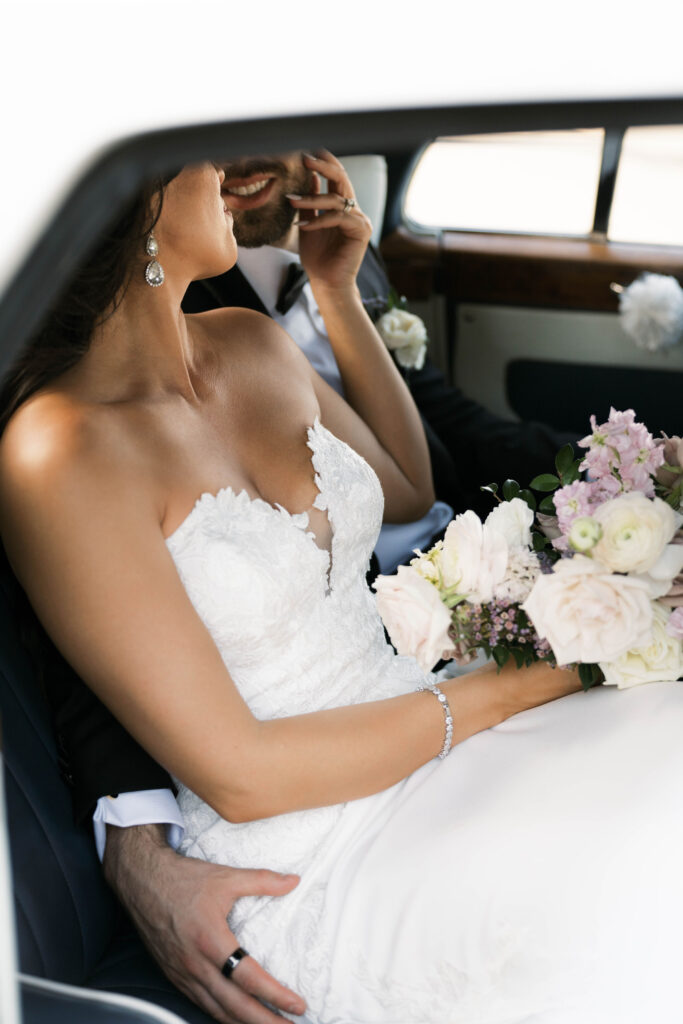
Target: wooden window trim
x,y
521,270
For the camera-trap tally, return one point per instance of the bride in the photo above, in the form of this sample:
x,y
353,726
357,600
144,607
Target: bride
x,y
191,511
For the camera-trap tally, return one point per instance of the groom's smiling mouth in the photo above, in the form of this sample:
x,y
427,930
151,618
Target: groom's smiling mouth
x,y
248,193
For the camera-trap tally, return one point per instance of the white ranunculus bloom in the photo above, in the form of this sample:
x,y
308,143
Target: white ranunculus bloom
x,y
635,532
404,334
662,574
588,614
415,617
658,660
513,519
474,557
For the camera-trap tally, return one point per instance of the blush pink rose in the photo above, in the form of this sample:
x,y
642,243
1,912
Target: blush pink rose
x,y
588,614
415,617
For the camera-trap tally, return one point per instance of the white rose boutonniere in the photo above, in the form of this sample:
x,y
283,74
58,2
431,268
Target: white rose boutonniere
x,y
405,335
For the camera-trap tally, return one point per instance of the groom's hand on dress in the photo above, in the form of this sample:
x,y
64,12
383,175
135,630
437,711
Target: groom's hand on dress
x,y
180,905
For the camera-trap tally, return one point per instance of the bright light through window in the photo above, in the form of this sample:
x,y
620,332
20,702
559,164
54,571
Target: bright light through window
x,y
530,182
648,203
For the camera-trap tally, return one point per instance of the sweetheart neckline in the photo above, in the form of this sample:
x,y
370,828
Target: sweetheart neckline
x,y
243,494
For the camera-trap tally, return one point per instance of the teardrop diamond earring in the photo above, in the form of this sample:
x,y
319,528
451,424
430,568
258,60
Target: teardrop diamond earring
x,y
154,272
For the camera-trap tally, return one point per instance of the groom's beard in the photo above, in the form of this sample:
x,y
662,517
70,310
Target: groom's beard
x,y
269,223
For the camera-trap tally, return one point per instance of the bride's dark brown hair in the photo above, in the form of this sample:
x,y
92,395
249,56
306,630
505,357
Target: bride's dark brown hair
x,y
91,297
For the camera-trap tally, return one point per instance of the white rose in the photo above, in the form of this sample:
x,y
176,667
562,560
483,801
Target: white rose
x,y
587,614
660,659
406,335
635,532
415,617
585,533
513,519
474,557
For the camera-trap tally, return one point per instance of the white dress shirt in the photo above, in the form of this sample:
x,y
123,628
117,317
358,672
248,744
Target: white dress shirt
x,y
265,269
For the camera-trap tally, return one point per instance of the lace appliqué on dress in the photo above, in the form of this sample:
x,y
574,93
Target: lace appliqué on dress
x,y
298,630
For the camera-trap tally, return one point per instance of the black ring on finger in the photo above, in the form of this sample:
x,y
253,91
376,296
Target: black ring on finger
x,y
232,961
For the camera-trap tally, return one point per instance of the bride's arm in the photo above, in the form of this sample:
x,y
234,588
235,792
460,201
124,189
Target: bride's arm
x,y
387,429
332,245
84,538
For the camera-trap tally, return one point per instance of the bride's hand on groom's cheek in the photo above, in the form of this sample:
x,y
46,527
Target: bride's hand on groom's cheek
x,y
180,905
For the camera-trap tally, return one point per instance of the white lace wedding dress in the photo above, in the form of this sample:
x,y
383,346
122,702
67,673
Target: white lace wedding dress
x,y
535,876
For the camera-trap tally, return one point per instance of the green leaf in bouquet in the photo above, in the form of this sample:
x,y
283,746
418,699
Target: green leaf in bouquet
x,y
501,656
572,474
675,497
539,541
518,655
510,489
491,488
545,482
564,460
547,506
526,495
590,675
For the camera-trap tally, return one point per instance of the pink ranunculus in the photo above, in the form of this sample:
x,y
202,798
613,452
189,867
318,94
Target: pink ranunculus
x,y
415,617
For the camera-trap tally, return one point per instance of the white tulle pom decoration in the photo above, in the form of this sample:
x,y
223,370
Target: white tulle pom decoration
x,y
651,311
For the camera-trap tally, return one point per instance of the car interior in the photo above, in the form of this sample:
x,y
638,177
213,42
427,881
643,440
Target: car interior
x,y
512,231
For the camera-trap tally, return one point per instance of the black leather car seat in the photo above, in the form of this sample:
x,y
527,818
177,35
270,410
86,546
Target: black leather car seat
x,y
70,928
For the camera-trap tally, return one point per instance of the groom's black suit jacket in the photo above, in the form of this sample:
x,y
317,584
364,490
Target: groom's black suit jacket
x,y
468,446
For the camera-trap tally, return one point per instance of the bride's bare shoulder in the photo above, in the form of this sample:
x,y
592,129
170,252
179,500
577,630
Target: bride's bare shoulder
x,y
235,331
53,443
45,430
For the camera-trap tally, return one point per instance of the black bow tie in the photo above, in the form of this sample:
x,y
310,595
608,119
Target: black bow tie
x,y
292,288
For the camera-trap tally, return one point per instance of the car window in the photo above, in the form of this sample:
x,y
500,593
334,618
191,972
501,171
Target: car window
x,y
647,205
532,182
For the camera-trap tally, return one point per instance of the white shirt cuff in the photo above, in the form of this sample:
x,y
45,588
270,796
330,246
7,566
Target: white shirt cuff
x,y
147,807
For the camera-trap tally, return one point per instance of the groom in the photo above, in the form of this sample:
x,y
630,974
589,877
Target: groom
x,y
468,445
179,904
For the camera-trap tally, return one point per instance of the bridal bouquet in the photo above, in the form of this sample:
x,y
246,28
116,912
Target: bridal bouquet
x,y
591,575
